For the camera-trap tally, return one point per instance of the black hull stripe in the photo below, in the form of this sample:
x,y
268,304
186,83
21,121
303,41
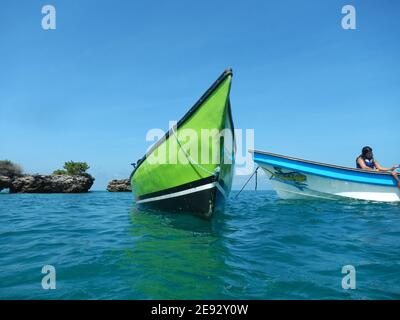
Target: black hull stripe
x,y
181,193
182,187
200,203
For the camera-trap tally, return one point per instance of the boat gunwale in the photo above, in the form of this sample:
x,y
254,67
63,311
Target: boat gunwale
x,y
228,72
384,173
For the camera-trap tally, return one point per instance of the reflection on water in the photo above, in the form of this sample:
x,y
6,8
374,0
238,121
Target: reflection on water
x,y
176,254
262,248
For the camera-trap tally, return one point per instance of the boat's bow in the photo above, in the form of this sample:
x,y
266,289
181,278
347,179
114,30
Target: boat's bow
x,y
190,169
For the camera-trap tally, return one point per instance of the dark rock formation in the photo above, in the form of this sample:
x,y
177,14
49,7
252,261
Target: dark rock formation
x,y
51,184
119,186
5,182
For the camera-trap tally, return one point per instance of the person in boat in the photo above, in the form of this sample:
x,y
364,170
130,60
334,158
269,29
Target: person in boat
x,y
366,161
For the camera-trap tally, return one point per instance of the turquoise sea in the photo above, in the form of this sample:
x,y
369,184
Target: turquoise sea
x,y
261,247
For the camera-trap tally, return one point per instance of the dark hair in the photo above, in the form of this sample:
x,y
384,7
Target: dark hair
x,y
364,151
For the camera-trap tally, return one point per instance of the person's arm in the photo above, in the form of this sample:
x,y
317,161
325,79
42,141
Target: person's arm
x,y
362,164
380,168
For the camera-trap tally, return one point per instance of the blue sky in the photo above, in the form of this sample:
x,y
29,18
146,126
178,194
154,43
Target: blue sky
x,y
112,70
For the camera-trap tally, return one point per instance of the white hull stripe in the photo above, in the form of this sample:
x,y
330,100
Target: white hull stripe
x,y
221,190
181,193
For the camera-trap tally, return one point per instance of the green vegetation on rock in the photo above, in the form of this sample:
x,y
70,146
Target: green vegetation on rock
x,y
60,172
74,169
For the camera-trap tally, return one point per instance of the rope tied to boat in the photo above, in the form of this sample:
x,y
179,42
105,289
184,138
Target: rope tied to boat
x,y
248,180
191,160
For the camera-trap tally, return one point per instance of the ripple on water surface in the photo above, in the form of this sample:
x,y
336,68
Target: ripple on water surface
x,y
261,247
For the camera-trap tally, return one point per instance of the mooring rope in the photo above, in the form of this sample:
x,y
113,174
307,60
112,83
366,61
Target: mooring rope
x,y
190,159
254,173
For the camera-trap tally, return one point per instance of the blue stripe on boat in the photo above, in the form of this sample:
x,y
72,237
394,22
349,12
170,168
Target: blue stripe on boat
x,y
325,171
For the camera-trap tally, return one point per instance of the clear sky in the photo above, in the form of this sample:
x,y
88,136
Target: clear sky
x,y
91,89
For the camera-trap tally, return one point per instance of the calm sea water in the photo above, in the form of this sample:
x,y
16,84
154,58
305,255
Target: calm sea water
x,y
259,248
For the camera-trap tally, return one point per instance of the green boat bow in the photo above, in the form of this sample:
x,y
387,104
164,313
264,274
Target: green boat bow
x,y
190,169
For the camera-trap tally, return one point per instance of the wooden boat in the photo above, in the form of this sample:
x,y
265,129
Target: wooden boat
x,y
196,186
298,178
